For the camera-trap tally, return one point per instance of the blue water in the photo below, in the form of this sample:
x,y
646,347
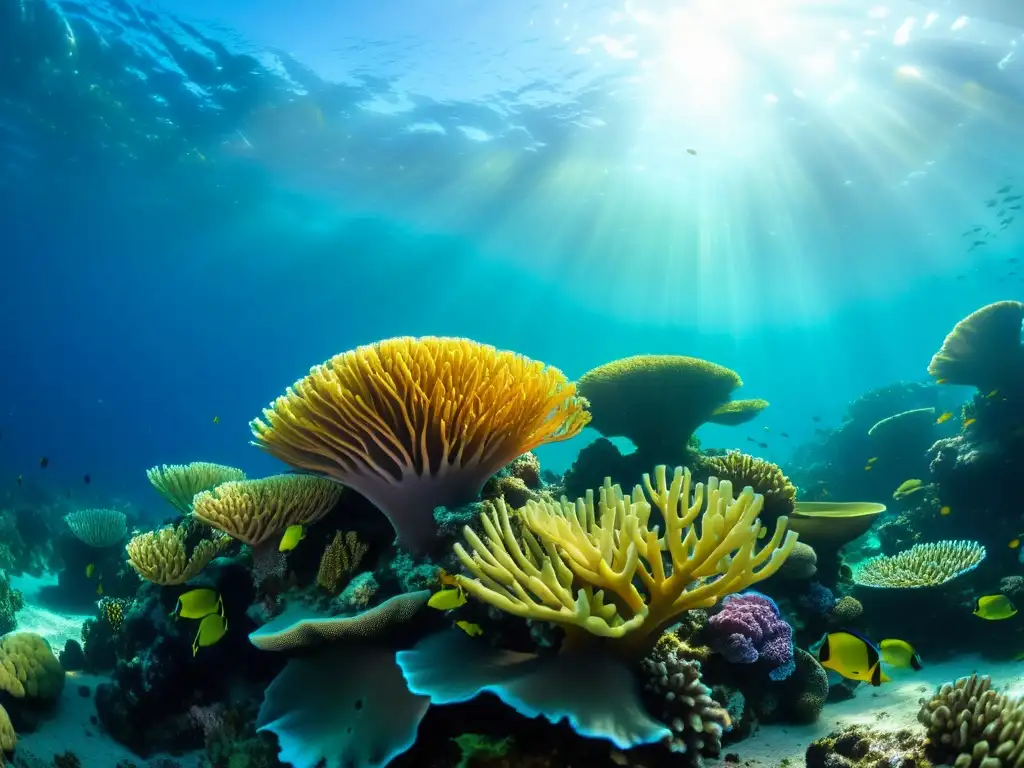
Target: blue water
x,y
201,200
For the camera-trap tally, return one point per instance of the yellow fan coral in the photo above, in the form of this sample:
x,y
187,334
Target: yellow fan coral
x,y
923,565
254,511
658,401
163,557
984,349
762,476
413,424
179,483
707,552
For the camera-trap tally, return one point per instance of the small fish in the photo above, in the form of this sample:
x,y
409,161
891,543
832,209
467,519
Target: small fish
x,y
446,579
944,511
691,151
867,467
87,479
90,569
198,604
994,607
872,460
908,487
20,480
751,440
211,629
216,419
783,434
1004,189
293,534
99,588
69,493
447,599
899,654
44,463
991,203
815,418
767,429
992,394
968,423
944,417
852,656
473,630
942,381
1014,543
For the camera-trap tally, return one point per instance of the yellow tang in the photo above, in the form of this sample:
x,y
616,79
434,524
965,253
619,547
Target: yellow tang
x,y
853,657
293,534
447,599
211,630
968,423
473,630
90,569
899,653
994,607
198,603
872,460
944,417
908,487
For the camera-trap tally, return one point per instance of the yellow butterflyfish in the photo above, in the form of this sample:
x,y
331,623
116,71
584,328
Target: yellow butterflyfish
x,y
852,656
968,423
293,534
944,417
447,599
473,630
211,629
198,604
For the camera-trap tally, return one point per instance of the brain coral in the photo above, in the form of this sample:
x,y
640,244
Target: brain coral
x,y
28,667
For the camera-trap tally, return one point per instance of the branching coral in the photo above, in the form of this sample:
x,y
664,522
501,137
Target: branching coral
x,y
254,511
923,565
763,476
414,424
98,527
339,561
658,401
984,349
179,483
163,556
706,553
28,667
971,725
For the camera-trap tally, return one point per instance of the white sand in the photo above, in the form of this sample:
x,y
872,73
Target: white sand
x,y
890,707
57,627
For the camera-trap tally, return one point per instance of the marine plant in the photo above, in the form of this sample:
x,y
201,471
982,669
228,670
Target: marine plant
x,y
179,483
418,423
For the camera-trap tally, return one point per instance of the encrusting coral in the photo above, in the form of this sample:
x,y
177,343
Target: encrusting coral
x,y
972,725
624,394
179,483
98,527
414,424
984,349
923,565
254,511
763,476
28,667
339,561
608,548
163,556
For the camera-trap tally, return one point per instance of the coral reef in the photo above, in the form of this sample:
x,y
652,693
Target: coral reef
x,y
10,602
763,476
98,527
923,565
859,747
749,629
179,483
165,556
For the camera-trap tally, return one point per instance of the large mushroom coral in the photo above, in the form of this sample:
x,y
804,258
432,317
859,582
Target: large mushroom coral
x,y
984,349
413,424
691,392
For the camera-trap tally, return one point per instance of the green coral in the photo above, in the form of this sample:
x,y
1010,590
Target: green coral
x,y
473,746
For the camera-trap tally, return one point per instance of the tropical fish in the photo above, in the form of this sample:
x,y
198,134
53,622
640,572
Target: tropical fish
x,y
908,487
783,434
447,599
767,429
994,607
899,654
216,419
44,463
691,151
473,630
815,418
992,394
872,460
90,569
293,534
1014,543
853,657
867,467
99,588
968,423
944,510
198,604
446,579
944,417
211,629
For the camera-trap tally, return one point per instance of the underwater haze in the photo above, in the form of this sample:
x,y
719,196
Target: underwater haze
x,y
534,244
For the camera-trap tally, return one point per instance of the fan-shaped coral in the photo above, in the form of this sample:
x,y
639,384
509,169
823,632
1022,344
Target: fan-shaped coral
x,y
923,565
984,349
98,527
414,424
971,724
163,556
658,401
253,511
763,476
608,548
179,483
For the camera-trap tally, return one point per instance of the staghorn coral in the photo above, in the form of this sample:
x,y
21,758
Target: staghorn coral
x,y
98,527
340,560
608,548
972,725
414,424
923,565
179,483
984,349
658,401
28,667
675,692
254,511
763,476
162,556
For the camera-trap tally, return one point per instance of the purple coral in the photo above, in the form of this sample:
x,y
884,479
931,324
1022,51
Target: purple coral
x,y
750,629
